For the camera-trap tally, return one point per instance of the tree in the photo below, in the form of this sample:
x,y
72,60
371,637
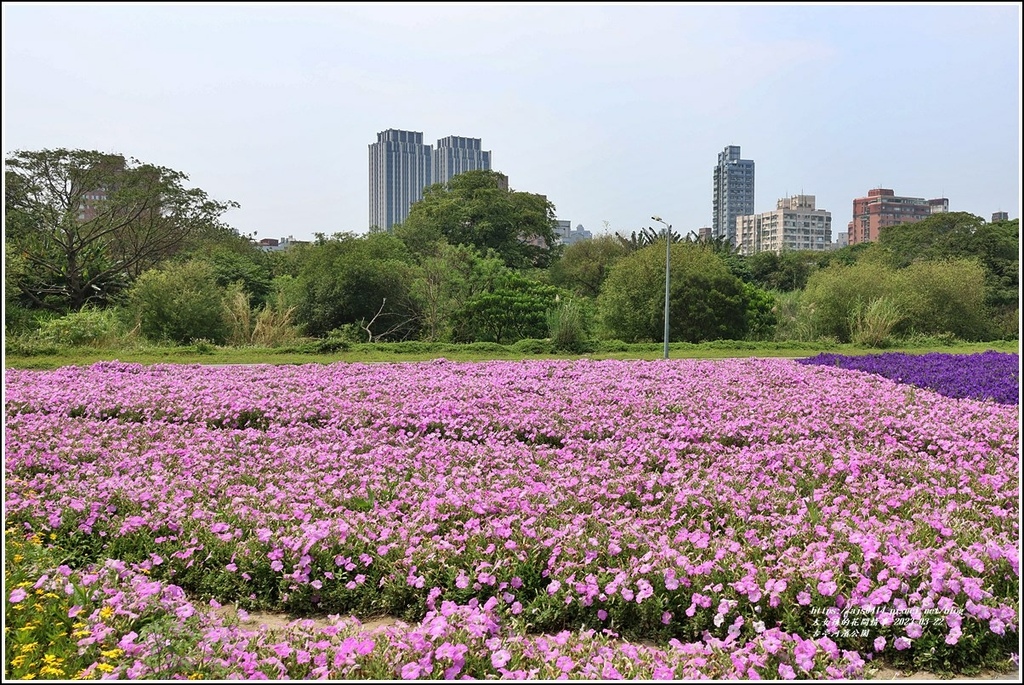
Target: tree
x,y
179,303
352,281
584,265
782,271
445,282
941,236
88,223
706,301
473,209
514,309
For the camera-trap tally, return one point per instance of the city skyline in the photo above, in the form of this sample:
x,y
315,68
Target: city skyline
x,y
614,112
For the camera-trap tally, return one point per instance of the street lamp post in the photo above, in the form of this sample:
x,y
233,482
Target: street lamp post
x,y
668,254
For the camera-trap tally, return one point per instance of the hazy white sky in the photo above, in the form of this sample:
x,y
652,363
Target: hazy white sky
x,y
614,111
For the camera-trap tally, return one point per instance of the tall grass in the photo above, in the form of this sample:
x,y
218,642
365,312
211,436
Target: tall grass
x,y
871,325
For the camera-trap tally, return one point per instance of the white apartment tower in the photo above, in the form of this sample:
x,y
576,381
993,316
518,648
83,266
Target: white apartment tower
x,y
796,224
455,155
400,168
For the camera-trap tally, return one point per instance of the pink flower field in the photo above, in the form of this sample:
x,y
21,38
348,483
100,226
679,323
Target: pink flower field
x,y
535,519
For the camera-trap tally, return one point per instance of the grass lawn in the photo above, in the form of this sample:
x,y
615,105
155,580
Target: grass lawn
x,y
411,352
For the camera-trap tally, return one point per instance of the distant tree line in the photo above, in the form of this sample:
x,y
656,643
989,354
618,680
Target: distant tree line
x,y
98,246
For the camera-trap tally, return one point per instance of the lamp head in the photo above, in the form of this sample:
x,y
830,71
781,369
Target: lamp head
x,y
656,218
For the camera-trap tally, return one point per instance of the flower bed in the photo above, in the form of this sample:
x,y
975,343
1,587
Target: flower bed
x,y
778,513
984,376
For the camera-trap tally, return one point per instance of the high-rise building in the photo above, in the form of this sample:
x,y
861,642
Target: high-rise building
x,y
882,207
455,155
1000,216
566,235
796,224
734,192
400,168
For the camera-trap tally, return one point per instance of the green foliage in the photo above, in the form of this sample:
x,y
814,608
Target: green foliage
x,y
532,346
873,323
584,265
706,301
569,327
940,236
833,296
793,320
473,209
89,326
943,297
365,281
761,317
87,223
959,235
250,269
179,303
445,282
515,308
782,271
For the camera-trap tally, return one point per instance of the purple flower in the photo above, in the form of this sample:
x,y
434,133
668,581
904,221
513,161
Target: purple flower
x,y
18,595
786,672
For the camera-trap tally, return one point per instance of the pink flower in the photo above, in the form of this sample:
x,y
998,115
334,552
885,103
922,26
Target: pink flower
x,y
18,596
411,671
786,672
500,658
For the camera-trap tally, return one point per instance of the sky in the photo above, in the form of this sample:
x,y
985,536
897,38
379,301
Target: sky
x,y
614,111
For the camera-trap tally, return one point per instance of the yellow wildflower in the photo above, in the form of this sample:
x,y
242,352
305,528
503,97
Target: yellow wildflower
x,y
106,612
112,653
30,647
18,558
106,668
29,676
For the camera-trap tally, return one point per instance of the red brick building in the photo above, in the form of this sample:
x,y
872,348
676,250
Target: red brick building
x,y
882,207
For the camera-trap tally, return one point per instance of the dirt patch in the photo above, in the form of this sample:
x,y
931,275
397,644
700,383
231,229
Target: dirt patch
x,y
278,621
888,673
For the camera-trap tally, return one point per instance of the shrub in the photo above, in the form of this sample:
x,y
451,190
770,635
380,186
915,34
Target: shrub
x,y
605,346
943,297
532,346
706,301
833,295
90,326
179,303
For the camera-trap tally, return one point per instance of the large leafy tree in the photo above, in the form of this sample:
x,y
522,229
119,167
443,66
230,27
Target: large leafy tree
x,y
363,281
473,208
706,301
584,265
88,223
961,235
